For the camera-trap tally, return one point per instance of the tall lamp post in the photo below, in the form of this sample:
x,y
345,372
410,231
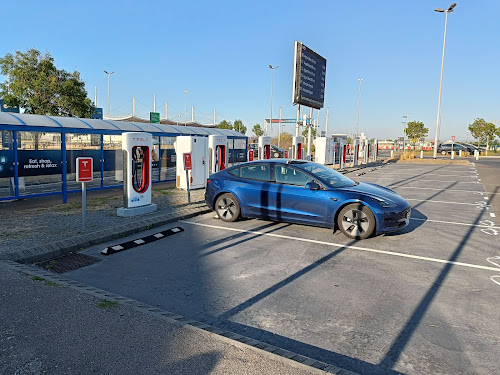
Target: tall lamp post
x,y
359,97
271,118
405,122
109,93
185,106
449,10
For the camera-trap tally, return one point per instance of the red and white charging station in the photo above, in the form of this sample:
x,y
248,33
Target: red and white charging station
x,y
343,153
264,145
250,155
297,147
198,148
217,153
324,150
355,150
137,171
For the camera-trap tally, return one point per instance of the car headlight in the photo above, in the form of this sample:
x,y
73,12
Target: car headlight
x,y
386,203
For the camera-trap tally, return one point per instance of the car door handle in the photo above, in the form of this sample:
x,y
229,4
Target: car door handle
x,y
334,199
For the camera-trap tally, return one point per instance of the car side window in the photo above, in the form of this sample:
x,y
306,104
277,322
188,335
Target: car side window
x,y
291,176
261,172
234,172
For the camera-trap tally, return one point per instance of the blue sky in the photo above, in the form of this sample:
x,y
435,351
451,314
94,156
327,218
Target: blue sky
x,y
220,51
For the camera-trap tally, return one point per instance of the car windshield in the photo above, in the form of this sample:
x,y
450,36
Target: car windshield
x,y
328,175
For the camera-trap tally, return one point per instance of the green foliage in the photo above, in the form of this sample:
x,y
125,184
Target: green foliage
x,y
225,125
349,140
416,130
481,130
306,130
107,304
257,130
239,127
285,140
37,86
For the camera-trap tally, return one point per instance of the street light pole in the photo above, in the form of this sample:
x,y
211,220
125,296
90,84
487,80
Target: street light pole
x,y
185,106
359,96
404,133
271,118
449,10
109,93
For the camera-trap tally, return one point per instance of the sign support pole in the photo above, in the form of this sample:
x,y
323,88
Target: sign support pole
x,y
187,185
84,204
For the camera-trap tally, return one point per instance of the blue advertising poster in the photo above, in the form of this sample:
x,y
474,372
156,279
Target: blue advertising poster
x,y
5,108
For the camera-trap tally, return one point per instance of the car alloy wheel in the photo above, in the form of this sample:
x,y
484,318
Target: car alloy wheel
x,y
443,152
227,207
356,221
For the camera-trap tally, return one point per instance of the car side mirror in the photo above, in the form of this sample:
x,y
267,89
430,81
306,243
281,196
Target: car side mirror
x,y
312,186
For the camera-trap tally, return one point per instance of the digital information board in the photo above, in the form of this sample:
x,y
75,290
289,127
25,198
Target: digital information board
x,y
309,77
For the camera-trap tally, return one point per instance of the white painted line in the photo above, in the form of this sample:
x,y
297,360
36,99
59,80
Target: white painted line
x,y
175,230
492,214
159,235
495,269
432,201
485,197
455,223
425,188
117,247
413,174
139,241
419,179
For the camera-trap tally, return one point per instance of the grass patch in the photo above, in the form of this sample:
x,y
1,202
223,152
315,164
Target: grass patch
x,y
51,265
50,283
37,278
107,304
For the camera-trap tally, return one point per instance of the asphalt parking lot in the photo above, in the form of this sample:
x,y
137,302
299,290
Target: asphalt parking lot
x,y
421,300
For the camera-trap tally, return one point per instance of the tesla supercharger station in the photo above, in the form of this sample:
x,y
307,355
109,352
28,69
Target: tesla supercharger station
x,y
198,148
264,145
367,151
355,151
297,147
324,150
343,153
137,171
218,153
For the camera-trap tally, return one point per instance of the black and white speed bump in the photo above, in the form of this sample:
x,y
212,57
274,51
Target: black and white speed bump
x,y
141,241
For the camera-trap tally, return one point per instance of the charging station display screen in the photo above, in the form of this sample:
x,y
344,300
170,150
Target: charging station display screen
x,y
140,168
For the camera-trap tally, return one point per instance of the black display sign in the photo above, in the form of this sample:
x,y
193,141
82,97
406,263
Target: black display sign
x,y
309,77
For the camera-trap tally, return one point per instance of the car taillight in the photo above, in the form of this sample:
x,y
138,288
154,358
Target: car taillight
x,y
208,181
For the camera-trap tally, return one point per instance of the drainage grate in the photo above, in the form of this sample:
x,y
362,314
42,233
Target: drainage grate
x,y
68,262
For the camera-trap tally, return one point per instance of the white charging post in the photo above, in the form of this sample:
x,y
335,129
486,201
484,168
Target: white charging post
x,y
84,174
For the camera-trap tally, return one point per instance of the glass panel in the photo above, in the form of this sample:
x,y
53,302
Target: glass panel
x,y
155,158
7,164
291,176
168,158
78,145
260,172
113,160
40,162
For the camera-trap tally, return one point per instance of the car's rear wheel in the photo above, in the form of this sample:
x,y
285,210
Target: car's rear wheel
x,y
227,207
356,221
443,152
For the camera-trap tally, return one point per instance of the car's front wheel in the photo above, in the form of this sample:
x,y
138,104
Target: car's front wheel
x,y
443,152
356,221
227,207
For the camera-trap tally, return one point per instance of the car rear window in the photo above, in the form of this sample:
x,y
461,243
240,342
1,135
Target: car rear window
x,y
261,172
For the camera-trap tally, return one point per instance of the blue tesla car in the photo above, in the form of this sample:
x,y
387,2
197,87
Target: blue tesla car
x,y
308,193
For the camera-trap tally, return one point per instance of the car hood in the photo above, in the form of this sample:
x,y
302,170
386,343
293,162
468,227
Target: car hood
x,y
375,190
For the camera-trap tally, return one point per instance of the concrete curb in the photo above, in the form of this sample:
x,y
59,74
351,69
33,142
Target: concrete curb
x,y
243,342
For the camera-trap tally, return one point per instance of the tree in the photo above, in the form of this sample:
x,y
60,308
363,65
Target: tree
x,y
36,85
285,140
257,130
481,129
313,132
225,125
349,140
239,127
416,130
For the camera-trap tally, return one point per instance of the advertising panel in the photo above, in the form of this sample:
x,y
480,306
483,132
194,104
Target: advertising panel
x,y
309,77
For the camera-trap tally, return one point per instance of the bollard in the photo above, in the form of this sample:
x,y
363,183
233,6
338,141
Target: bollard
x,y
460,153
392,154
421,154
476,154
452,155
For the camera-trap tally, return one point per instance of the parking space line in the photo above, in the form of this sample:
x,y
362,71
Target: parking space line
x,y
454,190
492,214
455,223
419,180
432,201
435,260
